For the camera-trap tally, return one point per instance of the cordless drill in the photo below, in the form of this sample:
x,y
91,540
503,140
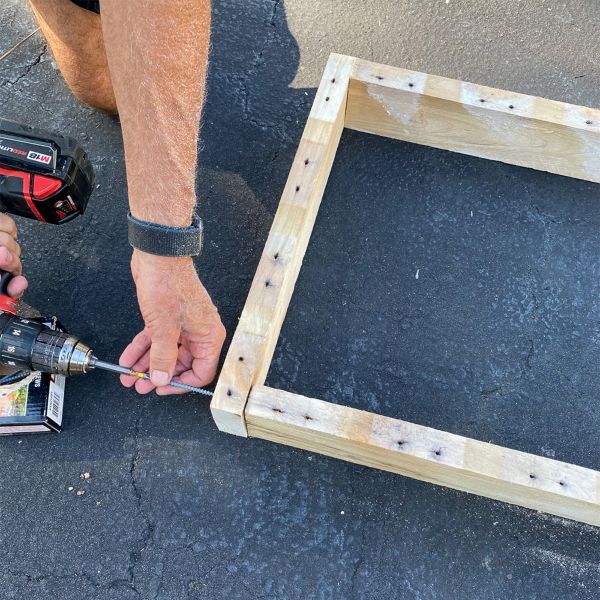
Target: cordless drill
x,y
47,177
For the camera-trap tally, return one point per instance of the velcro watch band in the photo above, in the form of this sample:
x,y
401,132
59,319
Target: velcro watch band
x,y
163,240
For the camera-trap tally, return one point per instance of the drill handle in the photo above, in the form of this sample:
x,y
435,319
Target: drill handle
x,y
7,303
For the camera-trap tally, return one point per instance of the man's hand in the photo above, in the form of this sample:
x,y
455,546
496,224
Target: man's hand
x,y
183,334
159,89
10,251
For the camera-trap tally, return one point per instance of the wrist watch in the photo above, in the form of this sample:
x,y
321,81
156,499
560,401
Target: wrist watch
x,y
163,240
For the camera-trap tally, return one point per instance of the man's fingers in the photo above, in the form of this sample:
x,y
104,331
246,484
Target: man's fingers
x,y
206,356
187,377
141,343
163,351
143,386
169,390
134,352
141,365
138,346
8,225
202,373
17,286
9,261
205,368
8,241
127,381
182,366
183,375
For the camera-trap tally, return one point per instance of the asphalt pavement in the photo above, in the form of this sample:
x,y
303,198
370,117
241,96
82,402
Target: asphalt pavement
x,y
447,290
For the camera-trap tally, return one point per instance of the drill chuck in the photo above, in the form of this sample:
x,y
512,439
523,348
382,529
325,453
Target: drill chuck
x,y
30,345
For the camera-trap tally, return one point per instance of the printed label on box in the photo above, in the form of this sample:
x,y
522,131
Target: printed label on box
x,y
13,398
56,398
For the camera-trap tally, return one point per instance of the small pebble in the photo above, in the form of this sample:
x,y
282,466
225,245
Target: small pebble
x,y
70,488
85,475
80,492
342,512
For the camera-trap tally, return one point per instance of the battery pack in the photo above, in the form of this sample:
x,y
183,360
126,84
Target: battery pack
x,y
34,403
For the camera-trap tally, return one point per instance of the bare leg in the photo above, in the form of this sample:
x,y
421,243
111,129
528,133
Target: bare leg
x,y
75,38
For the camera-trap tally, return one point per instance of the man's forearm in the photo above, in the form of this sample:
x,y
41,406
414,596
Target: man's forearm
x,y
157,53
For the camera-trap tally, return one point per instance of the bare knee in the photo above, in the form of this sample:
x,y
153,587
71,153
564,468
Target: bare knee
x,y
96,92
74,36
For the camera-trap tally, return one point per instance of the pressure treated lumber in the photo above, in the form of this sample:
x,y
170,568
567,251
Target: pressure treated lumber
x,y
426,454
253,344
472,119
443,113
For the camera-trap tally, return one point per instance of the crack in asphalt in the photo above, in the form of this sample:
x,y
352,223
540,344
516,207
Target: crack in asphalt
x,y
43,577
255,65
509,386
355,571
147,539
547,221
27,70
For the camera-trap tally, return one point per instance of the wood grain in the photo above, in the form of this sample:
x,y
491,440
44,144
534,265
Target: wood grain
x,y
249,356
477,120
443,113
426,454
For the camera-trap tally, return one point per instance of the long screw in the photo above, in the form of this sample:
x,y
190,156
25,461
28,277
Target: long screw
x,y
100,364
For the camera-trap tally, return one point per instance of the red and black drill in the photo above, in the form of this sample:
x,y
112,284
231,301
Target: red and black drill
x,y
47,177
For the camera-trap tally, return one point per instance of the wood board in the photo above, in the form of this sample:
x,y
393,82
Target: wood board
x,y
443,113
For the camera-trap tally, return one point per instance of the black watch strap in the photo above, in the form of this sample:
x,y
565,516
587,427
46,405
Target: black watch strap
x,y
163,240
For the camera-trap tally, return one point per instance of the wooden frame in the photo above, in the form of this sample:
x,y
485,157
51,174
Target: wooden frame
x,y
443,113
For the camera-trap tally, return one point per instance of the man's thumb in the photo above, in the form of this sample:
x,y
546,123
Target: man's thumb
x,y
163,354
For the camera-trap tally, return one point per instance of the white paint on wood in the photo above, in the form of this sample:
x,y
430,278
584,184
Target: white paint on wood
x,y
449,114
